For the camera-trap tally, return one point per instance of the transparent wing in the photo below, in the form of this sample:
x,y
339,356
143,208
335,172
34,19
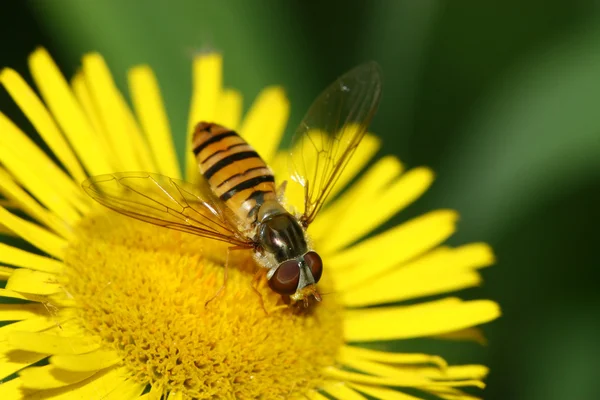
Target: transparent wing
x,y
167,202
330,133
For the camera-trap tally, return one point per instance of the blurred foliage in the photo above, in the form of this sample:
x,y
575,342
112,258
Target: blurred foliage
x,y
499,98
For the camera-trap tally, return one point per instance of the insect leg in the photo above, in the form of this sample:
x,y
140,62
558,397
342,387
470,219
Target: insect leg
x,y
255,282
222,288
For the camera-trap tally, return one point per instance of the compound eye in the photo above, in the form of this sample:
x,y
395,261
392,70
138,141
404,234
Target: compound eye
x,y
314,262
286,277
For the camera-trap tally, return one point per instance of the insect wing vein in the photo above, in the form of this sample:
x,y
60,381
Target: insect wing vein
x,y
330,133
166,202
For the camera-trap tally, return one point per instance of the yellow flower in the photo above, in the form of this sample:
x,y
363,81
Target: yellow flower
x,y
106,307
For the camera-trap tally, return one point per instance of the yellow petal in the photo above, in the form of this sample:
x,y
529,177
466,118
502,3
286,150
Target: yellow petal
x,y
150,110
450,393
21,258
175,396
5,272
36,282
440,271
265,122
17,312
34,234
127,389
312,395
109,384
380,253
456,372
392,358
34,324
229,111
436,375
153,394
42,121
50,377
4,231
68,113
207,87
12,190
398,380
123,134
12,295
11,389
42,342
369,145
360,219
382,393
420,320
92,361
362,193
37,172
408,380
84,96
12,361
340,390
403,376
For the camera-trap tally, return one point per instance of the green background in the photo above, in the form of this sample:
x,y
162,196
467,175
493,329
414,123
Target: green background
x,y
501,99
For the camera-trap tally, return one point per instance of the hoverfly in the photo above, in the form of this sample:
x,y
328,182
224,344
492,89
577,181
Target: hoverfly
x,y
237,201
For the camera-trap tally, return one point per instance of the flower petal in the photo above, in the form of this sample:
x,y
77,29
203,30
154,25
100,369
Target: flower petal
x,y
206,91
37,236
426,319
265,122
409,377
378,208
37,172
374,181
229,111
372,257
35,282
110,384
12,360
11,389
440,271
48,343
150,110
340,390
17,312
313,395
5,272
68,113
175,396
392,358
456,372
450,393
21,258
406,380
12,295
122,132
34,324
42,121
10,189
93,361
382,393
50,377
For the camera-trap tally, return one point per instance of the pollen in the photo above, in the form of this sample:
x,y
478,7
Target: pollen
x,y
144,291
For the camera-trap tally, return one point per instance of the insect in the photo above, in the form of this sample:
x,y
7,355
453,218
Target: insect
x,y
237,200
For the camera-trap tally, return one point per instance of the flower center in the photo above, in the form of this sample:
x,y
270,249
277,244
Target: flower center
x,y
143,290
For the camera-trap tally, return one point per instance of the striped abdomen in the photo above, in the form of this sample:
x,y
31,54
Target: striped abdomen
x,y
234,171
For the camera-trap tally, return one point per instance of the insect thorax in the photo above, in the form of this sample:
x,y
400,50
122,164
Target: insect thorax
x,y
279,233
